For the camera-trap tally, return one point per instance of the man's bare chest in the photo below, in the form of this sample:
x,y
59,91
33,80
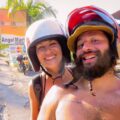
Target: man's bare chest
x,y
88,107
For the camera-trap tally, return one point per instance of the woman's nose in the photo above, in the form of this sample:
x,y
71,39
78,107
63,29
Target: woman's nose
x,y
48,50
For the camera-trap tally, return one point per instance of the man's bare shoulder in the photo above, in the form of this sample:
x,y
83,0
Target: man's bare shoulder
x,y
117,90
55,93
50,102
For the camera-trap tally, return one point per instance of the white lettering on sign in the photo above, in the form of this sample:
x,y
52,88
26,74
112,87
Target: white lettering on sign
x,y
12,39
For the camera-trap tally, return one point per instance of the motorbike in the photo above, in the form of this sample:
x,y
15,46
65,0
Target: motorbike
x,y
23,64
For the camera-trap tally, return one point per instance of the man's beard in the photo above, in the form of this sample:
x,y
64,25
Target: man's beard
x,y
90,72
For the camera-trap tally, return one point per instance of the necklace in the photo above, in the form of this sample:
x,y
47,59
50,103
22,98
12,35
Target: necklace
x,y
58,76
91,89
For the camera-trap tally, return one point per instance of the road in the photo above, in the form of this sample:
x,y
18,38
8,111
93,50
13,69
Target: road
x,y
14,102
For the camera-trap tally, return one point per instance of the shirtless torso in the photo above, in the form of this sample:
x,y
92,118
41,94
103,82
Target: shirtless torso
x,y
72,104
83,106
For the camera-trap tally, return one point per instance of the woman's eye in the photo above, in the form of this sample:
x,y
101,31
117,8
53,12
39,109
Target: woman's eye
x,y
40,48
53,44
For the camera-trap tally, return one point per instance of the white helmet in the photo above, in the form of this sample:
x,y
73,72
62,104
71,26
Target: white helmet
x,y
42,30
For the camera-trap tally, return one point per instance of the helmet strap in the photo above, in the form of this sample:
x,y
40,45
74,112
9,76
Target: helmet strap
x,y
61,70
46,72
60,73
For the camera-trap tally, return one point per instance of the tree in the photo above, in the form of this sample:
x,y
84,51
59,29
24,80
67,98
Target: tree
x,y
3,46
34,10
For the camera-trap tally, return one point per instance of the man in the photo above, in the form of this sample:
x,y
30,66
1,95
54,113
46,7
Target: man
x,y
92,38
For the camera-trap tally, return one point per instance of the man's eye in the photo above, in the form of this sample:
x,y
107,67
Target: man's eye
x,y
80,46
95,41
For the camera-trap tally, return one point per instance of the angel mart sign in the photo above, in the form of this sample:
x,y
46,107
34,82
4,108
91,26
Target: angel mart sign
x,y
12,39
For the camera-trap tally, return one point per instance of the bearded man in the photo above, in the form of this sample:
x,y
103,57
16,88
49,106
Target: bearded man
x,y
94,93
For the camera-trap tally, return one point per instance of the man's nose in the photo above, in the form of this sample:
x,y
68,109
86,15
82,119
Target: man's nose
x,y
87,46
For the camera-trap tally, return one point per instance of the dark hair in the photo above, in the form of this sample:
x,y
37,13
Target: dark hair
x,y
113,48
65,50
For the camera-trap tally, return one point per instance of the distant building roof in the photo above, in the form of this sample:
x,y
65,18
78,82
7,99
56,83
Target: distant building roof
x,y
116,14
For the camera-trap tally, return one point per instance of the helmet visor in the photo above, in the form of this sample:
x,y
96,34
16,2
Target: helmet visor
x,y
88,15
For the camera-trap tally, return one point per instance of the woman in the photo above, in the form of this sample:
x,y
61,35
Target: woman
x,y
48,52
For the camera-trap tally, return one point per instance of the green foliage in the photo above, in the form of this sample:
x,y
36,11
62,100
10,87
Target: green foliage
x,y
34,10
3,46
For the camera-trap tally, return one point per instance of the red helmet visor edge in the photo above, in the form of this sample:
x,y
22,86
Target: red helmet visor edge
x,y
88,16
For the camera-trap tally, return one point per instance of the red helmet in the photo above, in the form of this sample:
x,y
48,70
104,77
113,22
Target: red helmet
x,y
89,18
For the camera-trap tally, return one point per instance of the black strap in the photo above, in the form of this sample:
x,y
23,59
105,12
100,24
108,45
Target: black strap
x,y
38,88
39,84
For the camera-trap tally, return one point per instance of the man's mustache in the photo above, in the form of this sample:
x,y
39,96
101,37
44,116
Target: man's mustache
x,y
88,52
